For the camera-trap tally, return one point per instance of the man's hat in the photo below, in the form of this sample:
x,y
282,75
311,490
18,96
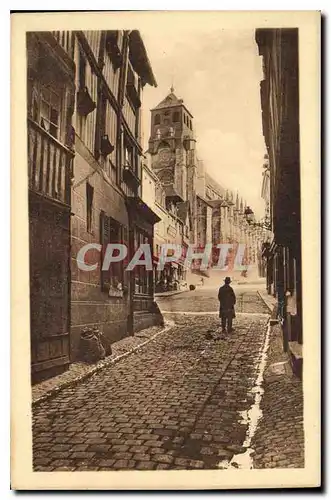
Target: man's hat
x,y
227,280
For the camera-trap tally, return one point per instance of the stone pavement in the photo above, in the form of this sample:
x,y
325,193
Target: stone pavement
x,y
79,371
205,300
279,440
173,404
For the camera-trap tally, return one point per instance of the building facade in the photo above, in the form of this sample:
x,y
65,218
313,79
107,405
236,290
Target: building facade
x,y
50,106
85,149
280,119
214,213
172,228
173,155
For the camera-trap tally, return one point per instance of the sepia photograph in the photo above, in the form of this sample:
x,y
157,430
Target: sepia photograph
x,y
163,195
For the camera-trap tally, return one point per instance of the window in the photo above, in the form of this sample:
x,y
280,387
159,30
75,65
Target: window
x,y
86,99
82,71
107,138
191,124
50,105
128,155
111,232
113,46
143,278
157,120
175,116
89,206
35,106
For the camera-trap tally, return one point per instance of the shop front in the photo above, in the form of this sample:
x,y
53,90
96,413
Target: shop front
x,y
143,312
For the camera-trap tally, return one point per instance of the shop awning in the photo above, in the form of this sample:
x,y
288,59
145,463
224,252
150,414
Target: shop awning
x,y
140,210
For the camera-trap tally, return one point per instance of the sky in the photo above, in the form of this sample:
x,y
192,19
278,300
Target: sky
x,y
217,73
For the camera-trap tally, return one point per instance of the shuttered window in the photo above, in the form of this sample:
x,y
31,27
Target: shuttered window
x,y
125,240
111,232
143,277
104,240
89,207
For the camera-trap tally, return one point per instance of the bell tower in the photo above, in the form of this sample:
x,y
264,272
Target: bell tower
x,y
172,150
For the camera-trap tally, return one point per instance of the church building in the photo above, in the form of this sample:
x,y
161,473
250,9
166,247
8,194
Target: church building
x,y
173,154
214,217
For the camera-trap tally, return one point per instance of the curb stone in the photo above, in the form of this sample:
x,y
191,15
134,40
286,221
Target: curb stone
x,y
269,306
169,294
98,367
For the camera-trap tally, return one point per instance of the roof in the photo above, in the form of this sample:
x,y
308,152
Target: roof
x,y
215,203
171,101
150,172
170,192
207,202
183,210
214,185
141,210
140,61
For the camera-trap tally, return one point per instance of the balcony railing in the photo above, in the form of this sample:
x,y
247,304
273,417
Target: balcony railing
x,y
49,164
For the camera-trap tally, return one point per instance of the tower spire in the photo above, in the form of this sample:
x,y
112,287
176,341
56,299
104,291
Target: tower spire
x,y
172,88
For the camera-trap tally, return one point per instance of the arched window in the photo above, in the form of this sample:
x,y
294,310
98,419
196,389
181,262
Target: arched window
x,y
157,120
164,145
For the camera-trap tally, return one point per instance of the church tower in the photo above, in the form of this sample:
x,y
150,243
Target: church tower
x,y
173,155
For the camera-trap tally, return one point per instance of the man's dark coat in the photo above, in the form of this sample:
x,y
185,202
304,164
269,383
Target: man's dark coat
x,y
227,299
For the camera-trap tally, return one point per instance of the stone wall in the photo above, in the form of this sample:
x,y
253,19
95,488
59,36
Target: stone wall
x,y
90,306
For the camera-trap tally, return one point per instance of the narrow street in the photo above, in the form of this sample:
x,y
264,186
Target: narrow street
x,y
179,402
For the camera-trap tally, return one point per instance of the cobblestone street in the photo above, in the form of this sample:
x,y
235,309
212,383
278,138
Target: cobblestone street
x,y
173,404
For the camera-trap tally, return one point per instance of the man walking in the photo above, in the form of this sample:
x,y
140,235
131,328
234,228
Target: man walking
x,y
227,300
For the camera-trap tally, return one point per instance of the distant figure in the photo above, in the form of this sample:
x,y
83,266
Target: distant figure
x,y
227,300
202,281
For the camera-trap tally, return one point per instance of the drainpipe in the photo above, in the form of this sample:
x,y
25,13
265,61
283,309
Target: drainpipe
x,y
131,278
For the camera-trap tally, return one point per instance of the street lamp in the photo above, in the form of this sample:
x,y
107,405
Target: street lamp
x,y
250,218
